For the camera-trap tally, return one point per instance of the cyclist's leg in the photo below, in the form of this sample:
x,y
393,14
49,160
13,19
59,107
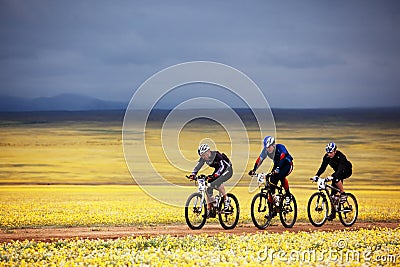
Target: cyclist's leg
x,y
334,184
337,182
274,179
286,170
339,185
346,174
218,183
332,215
221,189
210,198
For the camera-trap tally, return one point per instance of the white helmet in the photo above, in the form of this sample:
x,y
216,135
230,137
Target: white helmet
x,y
203,148
268,141
330,147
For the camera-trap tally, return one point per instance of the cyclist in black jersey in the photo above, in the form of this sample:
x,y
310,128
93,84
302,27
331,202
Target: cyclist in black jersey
x,y
342,169
222,172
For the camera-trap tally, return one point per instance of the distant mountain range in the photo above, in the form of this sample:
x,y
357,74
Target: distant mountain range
x,y
63,102
76,102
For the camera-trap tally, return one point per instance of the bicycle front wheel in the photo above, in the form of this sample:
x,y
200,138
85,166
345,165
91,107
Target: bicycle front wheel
x,y
195,211
348,210
288,212
317,209
229,216
261,210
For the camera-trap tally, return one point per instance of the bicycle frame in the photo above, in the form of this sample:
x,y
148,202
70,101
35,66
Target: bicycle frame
x,y
324,187
266,186
202,186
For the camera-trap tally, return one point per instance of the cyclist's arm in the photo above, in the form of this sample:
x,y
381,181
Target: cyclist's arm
x,y
198,166
324,164
258,162
260,159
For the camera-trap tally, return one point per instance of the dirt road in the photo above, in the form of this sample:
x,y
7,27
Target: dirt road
x,y
52,234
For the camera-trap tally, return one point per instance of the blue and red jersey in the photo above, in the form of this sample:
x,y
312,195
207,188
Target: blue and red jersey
x,y
280,157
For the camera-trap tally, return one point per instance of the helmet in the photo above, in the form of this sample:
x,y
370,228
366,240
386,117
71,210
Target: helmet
x,y
268,141
203,148
330,147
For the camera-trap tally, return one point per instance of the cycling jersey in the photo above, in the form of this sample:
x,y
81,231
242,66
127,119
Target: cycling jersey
x,y
218,161
280,157
339,163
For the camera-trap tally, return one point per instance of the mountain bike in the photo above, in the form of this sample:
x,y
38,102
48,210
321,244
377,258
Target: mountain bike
x,y
318,208
265,205
196,207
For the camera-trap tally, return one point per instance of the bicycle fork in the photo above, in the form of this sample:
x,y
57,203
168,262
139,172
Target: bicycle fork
x,y
262,207
199,206
320,203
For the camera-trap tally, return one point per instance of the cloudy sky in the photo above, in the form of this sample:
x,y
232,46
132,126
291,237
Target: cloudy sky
x,y
300,53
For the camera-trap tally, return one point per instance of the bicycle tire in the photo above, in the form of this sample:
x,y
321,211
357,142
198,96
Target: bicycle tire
x,y
260,208
229,219
317,211
291,209
349,207
195,212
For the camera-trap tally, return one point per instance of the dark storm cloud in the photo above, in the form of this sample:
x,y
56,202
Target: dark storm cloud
x,y
299,53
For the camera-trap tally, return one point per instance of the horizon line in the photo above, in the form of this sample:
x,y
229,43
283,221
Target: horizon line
x,y
196,109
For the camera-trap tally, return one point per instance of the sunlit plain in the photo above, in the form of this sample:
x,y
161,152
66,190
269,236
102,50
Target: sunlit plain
x,y
92,152
66,174
48,157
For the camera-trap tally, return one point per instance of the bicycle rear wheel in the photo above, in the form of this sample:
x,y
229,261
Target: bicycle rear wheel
x,y
261,210
317,209
288,212
348,211
228,218
195,211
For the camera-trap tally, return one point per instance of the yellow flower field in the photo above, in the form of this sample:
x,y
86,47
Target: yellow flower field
x,y
379,246
41,206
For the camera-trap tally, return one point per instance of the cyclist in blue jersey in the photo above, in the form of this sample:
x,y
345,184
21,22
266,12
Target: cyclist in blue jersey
x,y
283,163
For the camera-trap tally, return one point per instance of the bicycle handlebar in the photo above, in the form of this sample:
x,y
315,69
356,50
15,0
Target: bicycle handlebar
x,y
201,176
327,179
267,174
